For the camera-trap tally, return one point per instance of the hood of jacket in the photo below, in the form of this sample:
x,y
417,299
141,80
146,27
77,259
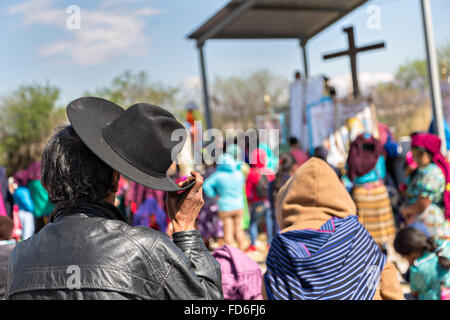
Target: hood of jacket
x,y
235,151
258,158
312,196
226,162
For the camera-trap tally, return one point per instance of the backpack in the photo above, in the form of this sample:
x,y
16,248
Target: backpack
x,y
241,276
262,187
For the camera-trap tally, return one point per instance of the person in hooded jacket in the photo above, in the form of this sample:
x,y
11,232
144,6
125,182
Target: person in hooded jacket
x,y
322,251
257,190
22,197
42,205
227,183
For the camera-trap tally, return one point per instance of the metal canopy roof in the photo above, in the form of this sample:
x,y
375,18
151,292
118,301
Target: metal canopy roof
x,y
300,19
273,19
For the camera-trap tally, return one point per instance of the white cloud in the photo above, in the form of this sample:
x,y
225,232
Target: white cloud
x,y
147,12
191,89
39,12
104,33
367,80
112,3
191,83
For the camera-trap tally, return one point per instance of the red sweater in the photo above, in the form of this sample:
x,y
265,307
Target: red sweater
x,y
258,160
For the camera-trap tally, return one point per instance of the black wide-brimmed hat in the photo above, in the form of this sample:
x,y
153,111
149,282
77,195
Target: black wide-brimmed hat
x,y
136,142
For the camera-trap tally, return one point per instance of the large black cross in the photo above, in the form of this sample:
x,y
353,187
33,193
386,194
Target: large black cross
x,y
352,52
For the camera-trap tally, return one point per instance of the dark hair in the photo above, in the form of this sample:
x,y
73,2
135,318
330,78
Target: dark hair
x,y
293,140
72,173
409,240
422,150
6,227
287,161
321,153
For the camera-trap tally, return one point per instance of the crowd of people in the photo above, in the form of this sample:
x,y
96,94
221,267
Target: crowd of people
x,y
331,232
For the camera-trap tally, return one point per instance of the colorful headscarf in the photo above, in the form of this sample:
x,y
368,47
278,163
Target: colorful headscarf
x,y
34,171
21,177
363,155
432,144
259,159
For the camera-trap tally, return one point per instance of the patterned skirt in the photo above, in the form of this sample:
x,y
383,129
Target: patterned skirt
x,y
375,211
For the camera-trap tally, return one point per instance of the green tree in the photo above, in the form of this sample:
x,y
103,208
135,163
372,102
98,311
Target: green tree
x,y
129,88
27,117
414,73
237,100
444,60
404,104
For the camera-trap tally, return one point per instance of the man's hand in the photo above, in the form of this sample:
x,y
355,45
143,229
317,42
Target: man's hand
x,y
183,208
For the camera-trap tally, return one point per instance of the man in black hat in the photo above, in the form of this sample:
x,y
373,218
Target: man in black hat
x,y
89,250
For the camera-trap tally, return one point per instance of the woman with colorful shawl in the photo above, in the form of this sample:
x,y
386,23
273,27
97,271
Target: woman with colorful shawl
x,y
427,195
42,205
367,170
322,251
22,198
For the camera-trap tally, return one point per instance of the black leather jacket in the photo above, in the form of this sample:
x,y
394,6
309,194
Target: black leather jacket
x,y
90,252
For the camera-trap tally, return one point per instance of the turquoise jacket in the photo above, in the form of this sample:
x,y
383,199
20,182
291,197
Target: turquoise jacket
x,y
273,161
227,182
426,275
22,198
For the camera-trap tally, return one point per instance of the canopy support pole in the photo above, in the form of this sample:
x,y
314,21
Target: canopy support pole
x,y
201,42
305,58
433,74
209,124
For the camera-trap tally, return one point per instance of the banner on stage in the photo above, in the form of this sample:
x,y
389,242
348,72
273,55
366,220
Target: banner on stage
x,y
302,93
335,126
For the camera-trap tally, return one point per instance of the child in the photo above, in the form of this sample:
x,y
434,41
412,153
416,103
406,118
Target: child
x,y
429,263
227,183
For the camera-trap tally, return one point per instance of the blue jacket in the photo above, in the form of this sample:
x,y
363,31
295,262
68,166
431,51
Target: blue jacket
x,y
226,182
22,198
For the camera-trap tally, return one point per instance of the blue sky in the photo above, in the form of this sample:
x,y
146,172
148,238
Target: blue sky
x,y
150,35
